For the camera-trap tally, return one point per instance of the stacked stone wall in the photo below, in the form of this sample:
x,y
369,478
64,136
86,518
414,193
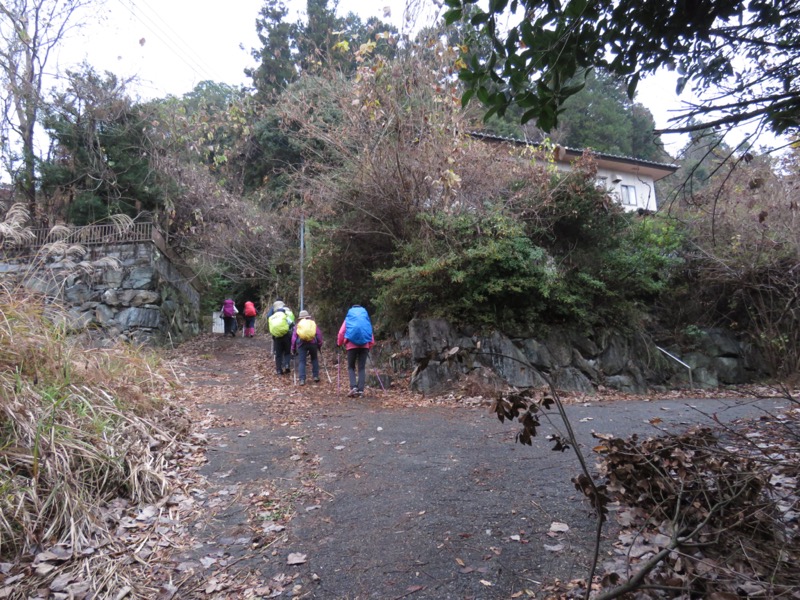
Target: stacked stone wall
x,y
123,291
441,356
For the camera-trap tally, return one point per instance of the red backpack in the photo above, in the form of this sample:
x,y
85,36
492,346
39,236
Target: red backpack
x,y
249,309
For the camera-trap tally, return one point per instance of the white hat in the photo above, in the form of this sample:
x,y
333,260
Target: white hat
x,y
278,304
303,314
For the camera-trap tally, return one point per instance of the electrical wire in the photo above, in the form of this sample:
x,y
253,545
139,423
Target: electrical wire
x,y
195,65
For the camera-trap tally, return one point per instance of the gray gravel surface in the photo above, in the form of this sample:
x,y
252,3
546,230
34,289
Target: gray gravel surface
x,y
429,501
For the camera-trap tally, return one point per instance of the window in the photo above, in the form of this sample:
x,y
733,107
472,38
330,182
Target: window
x,y
628,195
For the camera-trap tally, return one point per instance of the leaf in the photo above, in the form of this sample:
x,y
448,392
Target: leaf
x,y
295,558
452,15
558,527
44,568
575,9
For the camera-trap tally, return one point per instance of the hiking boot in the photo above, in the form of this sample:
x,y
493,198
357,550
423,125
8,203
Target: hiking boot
x,y
353,393
302,382
360,394
316,379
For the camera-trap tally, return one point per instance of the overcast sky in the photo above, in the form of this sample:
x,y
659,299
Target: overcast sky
x,y
172,45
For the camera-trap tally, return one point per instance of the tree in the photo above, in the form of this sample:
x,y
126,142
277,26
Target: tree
x,y
29,32
602,117
101,163
741,55
323,39
276,62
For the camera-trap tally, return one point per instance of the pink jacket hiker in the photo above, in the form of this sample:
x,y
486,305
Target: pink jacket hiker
x,y
340,339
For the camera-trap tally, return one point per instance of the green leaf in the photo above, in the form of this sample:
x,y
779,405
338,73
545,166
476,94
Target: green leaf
x,y
575,9
479,19
483,95
466,97
632,86
453,15
528,115
526,31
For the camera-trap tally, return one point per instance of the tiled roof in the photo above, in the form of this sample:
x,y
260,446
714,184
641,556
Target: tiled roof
x,y
574,151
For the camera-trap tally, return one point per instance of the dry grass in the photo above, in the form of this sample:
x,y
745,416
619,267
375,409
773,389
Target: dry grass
x,y
78,428
88,437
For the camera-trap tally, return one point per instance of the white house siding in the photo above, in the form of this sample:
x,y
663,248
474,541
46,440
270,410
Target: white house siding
x,y
643,185
614,180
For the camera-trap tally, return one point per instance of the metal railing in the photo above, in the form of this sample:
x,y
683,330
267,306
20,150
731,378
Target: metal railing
x,y
92,235
679,361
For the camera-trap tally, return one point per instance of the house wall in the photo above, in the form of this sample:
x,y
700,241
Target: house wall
x,y
643,186
614,180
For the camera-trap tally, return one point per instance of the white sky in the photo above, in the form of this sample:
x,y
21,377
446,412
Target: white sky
x,y
172,45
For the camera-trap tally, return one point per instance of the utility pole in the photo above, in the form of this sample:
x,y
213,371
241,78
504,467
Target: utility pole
x,y
302,257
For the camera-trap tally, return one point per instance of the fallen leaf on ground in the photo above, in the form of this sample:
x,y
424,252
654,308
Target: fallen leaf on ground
x,y
558,527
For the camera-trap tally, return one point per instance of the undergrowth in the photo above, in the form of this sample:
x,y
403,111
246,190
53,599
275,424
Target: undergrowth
x,y
78,428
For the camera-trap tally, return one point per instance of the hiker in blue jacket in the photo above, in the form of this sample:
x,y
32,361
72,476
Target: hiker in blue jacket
x,y
356,334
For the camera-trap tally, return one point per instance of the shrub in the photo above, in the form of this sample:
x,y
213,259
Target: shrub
x,y
480,270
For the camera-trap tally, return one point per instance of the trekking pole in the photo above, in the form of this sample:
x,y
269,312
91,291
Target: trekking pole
x,y
339,375
374,370
325,366
293,362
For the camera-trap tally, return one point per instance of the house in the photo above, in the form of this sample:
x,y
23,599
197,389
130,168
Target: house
x,y
630,180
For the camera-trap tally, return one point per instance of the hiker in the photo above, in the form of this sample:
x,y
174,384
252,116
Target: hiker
x,y
356,334
249,319
280,324
307,340
228,314
272,306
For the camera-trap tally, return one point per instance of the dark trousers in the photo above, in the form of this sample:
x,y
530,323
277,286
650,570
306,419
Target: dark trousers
x,y
311,350
230,325
357,355
282,346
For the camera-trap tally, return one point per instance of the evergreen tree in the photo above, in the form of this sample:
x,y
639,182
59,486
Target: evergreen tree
x,y
305,46
99,164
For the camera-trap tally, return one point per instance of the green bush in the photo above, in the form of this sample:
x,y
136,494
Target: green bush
x,y
481,270
581,260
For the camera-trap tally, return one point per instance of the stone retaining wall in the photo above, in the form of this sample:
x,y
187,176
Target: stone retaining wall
x,y
125,291
441,356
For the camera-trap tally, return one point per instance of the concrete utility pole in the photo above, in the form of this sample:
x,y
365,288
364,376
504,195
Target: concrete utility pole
x,y
302,257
